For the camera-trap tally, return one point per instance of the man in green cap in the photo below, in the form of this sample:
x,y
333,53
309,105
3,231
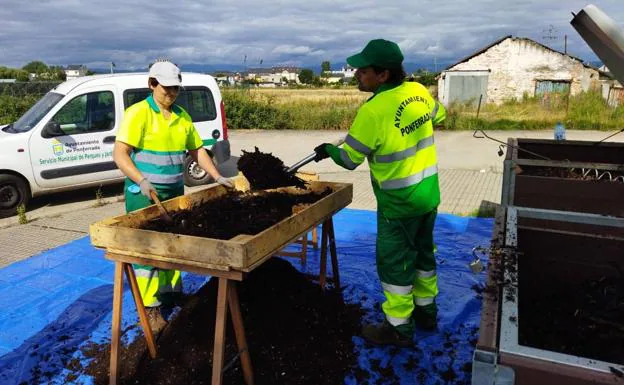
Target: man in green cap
x,y
394,131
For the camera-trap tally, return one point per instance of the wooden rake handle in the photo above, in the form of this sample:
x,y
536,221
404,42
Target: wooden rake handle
x,y
163,212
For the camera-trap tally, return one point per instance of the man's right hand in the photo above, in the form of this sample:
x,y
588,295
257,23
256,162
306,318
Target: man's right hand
x,y
321,152
146,187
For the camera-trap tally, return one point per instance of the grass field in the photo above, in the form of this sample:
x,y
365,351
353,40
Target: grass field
x,y
313,95
298,109
335,109
586,111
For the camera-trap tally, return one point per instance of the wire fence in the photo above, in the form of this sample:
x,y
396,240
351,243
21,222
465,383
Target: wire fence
x,y
22,89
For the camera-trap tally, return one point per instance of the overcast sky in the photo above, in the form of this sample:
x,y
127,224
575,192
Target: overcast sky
x,y
303,33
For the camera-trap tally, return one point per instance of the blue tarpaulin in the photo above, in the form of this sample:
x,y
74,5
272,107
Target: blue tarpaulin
x,y
56,302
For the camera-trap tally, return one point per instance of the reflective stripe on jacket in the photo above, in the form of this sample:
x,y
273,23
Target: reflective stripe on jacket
x,y
394,131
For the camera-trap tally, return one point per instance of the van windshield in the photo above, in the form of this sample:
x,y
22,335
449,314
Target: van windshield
x,y
30,119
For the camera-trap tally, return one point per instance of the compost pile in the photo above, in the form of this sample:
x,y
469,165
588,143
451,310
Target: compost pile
x,y
587,322
574,173
235,213
297,334
265,171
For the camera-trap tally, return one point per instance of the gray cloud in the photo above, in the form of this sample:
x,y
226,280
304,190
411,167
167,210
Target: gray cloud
x,y
133,33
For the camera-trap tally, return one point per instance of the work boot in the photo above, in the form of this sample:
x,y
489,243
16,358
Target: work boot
x,y
171,300
155,319
386,334
426,321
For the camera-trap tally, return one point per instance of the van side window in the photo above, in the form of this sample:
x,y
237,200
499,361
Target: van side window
x,y
83,114
197,101
134,96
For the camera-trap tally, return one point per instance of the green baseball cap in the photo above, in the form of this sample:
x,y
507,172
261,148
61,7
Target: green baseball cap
x,y
379,52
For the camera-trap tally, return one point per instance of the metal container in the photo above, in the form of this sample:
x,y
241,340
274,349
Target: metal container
x,y
597,160
527,262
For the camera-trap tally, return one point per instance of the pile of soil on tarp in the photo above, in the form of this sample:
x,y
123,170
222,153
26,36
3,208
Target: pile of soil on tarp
x,y
574,173
296,333
235,213
265,171
586,322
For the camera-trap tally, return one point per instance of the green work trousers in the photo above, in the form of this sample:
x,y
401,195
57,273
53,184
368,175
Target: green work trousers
x,y
157,286
407,268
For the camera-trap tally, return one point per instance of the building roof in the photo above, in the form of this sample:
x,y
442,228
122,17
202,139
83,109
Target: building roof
x,y
273,70
75,67
497,42
287,69
226,72
256,70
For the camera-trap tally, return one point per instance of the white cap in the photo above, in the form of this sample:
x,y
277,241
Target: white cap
x,y
167,73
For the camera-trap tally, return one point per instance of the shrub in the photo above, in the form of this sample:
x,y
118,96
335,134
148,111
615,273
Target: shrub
x,y
244,111
12,107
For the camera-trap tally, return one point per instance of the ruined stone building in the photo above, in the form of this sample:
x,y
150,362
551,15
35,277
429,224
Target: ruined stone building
x,y
512,67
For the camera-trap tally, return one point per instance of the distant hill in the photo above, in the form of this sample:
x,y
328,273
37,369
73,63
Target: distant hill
x,y
201,68
213,68
107,70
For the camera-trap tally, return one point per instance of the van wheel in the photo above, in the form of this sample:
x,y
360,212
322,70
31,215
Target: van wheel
x,y
195,175
13,192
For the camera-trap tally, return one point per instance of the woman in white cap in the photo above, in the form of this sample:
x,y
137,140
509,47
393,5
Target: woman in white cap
x,y
150,148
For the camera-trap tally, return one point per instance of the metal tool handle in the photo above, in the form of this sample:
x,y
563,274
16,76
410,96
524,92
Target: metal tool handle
x,y
311,157
301,163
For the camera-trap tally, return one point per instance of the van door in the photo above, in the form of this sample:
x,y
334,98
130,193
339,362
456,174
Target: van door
x,y
199,102
75,146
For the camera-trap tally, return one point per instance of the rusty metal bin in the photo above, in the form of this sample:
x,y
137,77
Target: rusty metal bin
x,y
523,188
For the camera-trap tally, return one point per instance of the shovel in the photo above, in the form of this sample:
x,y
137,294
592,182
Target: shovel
x,y
163,212
311,157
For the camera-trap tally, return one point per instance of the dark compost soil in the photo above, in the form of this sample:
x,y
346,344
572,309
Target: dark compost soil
x,y
297,334
235,213
586,321
265,171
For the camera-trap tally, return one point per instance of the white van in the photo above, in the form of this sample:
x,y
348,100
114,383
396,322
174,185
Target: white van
x,y
65,141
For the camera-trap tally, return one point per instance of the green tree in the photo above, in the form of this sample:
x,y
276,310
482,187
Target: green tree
x,y
13,73
306,76
58,73
316,82
36,67
325,68
249,82
427,78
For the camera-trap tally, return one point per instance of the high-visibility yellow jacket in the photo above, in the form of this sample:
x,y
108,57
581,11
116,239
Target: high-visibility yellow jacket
x,y
394,131
159,144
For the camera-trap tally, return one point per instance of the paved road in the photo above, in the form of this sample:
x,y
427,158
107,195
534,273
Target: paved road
x,y
456,150
470,175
